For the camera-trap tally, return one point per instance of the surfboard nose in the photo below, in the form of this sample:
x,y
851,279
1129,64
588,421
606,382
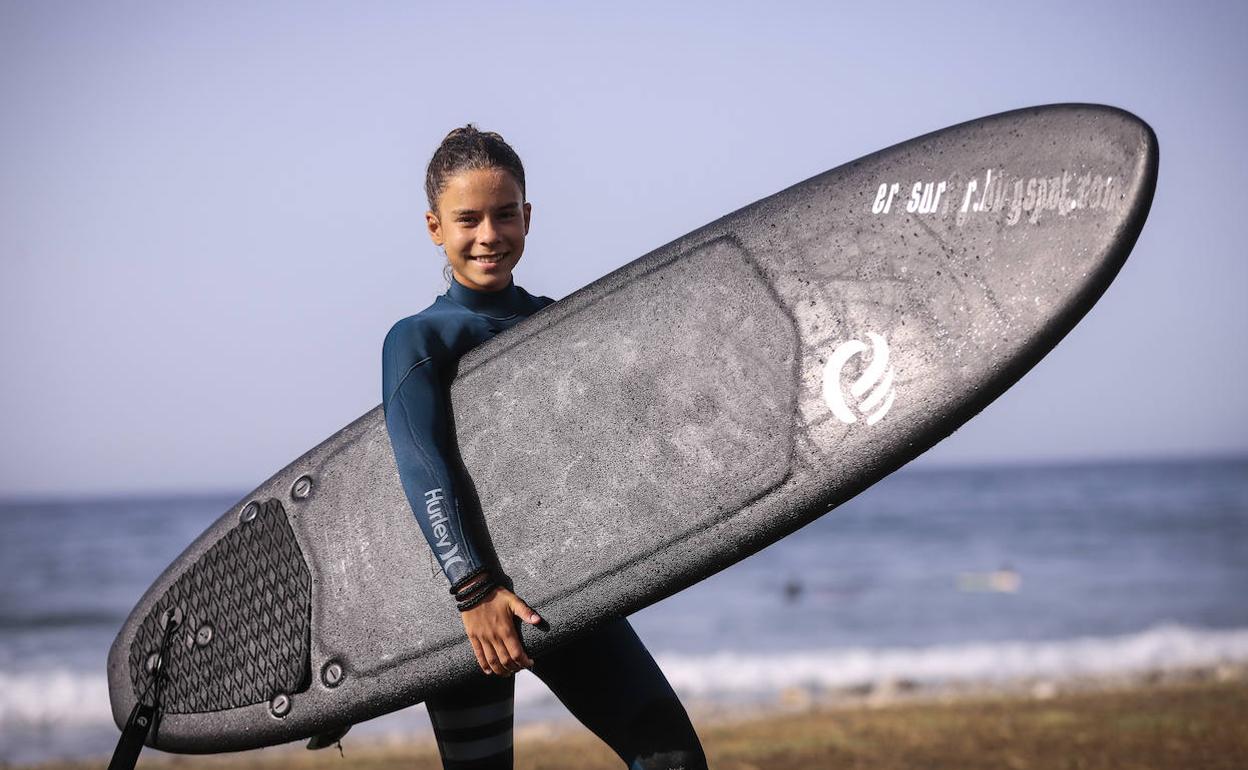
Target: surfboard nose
x,y
1114,135
1138,139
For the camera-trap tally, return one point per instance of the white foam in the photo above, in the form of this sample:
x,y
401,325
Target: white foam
x,y
65,698
54,697
1162,648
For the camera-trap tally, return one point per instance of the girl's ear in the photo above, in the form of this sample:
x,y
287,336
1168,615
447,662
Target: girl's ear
x,y
435,228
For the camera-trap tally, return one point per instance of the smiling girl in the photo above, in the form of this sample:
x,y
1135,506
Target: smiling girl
x,y
479,216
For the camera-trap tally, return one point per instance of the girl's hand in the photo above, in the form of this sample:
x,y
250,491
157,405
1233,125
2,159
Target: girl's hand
x,y
491,627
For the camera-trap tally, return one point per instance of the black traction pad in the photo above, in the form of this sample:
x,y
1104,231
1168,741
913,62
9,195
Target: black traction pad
x,y
244,610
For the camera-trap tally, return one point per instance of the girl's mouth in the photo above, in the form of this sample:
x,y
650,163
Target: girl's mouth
x,y
490,260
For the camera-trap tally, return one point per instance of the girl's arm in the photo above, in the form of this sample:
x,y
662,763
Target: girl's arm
x,y
416,409
417,420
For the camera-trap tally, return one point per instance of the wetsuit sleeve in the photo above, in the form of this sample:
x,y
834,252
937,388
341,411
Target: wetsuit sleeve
x,y
416,404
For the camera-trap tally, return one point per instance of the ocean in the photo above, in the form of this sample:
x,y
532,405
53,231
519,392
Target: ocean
x,y
932,577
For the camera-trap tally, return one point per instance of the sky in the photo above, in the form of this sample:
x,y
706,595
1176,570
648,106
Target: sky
x,y
211,213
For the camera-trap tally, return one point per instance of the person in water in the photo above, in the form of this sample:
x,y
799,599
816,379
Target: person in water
x,y
479,216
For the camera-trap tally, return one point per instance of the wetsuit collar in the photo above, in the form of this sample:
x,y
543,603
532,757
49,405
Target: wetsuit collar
x,y
503,303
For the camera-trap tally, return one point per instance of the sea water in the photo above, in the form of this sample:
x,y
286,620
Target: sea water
x,y
931,577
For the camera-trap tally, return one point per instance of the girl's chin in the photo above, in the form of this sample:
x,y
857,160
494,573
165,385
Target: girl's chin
x,y
493,280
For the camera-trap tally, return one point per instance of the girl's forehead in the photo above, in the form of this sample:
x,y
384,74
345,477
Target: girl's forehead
x,y
480,183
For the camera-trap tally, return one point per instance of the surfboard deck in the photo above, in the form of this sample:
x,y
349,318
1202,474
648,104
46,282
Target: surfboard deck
x,y
656,426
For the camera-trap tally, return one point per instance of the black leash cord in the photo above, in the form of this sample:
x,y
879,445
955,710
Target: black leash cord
x,y
143,717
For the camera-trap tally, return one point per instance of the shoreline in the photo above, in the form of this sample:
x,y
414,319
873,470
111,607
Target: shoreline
x,y
1163,719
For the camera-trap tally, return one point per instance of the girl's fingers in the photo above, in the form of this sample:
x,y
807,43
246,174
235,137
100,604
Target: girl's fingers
x,y
516,650
495,639
503,659
480,653
491,658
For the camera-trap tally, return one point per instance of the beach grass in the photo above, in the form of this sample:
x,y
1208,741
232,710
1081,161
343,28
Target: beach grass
x,y
1194,724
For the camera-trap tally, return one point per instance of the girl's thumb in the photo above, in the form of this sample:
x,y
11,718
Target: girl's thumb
x,y
525,612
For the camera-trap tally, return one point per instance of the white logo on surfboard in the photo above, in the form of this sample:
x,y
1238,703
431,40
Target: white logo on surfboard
x,y
877,378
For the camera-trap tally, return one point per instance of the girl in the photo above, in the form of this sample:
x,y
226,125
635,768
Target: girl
x,y
479,216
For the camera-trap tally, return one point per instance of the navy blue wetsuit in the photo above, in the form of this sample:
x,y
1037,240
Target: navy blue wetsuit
x,y
607,679
418,360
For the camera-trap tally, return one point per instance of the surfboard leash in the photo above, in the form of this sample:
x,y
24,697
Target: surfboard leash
x,y
144,718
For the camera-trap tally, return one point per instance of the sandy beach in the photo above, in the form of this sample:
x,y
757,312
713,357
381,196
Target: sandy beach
x,y
1198,719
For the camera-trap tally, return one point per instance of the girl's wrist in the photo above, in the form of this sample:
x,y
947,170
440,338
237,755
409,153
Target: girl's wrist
x,y
468,580
475,600
474,591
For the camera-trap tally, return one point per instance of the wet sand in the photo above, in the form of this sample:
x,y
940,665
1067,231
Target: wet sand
x,y
1198,721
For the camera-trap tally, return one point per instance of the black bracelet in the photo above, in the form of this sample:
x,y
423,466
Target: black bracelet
x,y
473,601
471,594
458,585
474,588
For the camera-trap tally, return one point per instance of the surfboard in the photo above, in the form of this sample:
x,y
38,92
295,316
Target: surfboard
x,y
655,426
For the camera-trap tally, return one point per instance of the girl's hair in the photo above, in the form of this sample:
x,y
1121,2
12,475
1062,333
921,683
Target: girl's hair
x,y
465,149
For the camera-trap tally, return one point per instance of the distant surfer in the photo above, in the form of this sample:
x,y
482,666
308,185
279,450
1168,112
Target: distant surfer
x,y
479,216
792,589
1005,580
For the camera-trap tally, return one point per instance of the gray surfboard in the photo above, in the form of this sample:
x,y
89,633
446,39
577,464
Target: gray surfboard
x,y
655,426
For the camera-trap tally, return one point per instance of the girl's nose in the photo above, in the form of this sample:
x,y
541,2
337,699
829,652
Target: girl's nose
x,y
486,232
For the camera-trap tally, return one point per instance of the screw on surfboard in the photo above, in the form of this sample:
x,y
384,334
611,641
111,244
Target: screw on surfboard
x,y
145,717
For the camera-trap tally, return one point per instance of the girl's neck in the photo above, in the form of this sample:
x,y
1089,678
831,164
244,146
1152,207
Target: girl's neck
x,y
502,303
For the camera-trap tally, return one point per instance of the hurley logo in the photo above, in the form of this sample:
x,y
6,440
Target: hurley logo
x,y
441,533
877,378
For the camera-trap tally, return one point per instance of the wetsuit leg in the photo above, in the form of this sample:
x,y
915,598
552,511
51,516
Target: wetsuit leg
x,y
609,681
473,722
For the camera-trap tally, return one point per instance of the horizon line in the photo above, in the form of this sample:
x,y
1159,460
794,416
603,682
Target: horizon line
x,y
917,465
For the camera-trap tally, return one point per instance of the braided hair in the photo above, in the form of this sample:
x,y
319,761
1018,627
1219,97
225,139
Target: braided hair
x,y
466,149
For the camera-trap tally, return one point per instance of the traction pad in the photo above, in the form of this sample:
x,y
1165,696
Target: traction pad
x,y
245,609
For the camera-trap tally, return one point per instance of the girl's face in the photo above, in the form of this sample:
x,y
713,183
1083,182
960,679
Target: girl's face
x,y
481,222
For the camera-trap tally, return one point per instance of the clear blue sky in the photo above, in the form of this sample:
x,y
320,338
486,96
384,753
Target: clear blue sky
x,y
211,213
